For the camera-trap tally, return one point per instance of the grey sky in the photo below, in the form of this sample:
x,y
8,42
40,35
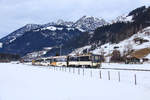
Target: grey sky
x,y
16,13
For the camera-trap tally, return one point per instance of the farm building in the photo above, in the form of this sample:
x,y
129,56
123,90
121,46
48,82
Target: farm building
x,y
139,56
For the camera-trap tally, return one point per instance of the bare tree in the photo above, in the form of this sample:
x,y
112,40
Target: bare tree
x,y
116,56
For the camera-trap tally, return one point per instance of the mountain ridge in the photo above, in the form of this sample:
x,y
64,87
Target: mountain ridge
x,y
85,31
19,32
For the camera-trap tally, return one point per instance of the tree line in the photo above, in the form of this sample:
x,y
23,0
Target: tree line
x,y
5,57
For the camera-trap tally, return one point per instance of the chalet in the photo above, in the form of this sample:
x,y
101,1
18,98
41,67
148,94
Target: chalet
x,y
139,56
132,60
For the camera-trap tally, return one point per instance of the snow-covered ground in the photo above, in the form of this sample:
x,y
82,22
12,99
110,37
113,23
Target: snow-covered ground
x,y
26,82
145,66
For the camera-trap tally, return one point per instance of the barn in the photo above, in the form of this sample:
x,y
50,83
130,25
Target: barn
x,y
139,56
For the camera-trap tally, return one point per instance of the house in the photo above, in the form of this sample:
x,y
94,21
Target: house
x,y
132,60
139,56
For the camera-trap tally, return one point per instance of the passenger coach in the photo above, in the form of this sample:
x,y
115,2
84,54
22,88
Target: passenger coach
x,y
88,61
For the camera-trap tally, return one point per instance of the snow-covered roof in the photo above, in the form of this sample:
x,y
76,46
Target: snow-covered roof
x,y
148,56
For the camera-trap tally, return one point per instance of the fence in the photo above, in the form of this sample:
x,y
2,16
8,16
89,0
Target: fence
x,y
100,74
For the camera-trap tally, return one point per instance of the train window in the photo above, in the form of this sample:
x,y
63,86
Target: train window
x,y
54,60
95,58
48,60
72,58
84,58
40,60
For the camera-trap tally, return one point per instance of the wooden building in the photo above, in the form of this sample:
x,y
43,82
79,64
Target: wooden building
x,y
138,56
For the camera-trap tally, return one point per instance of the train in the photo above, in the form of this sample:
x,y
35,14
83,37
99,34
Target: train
x,y
86,61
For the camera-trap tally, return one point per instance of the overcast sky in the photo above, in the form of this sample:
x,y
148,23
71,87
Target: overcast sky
x,y
16,13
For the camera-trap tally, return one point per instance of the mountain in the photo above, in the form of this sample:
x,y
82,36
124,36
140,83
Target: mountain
x,y
37,39
18,33
83,24
89,23
123,18
33,37
87,33
121,34
60,22
121,30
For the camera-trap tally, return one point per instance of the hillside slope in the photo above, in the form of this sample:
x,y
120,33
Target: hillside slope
x,y
137,42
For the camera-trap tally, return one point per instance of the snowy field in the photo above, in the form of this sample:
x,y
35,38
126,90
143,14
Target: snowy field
x,y
145,66
26,82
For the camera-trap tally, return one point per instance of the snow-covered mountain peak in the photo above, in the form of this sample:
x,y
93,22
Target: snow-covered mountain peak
x,y
11,37
90,18
123,18
85,23
59,22
65,23
31,26
86,17
89,23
